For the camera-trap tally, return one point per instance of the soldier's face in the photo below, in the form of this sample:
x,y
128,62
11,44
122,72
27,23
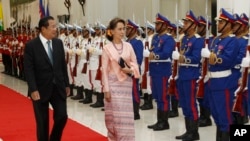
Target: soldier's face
x,y
158,26
201,28
236,28
119,31
187,24
97,31
223,26
128,31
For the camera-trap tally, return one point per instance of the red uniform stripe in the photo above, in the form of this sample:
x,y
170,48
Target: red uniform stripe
x,y
164,95
193,100
228,109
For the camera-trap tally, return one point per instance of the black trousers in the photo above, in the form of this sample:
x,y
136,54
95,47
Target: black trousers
x,y
60,117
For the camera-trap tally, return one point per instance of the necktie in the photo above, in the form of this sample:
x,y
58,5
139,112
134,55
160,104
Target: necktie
x,y
50,52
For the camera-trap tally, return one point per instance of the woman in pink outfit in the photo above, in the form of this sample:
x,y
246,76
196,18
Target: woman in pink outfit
x,y
118,66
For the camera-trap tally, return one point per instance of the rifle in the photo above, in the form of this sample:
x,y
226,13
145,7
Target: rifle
x,y
84,69
76,61
146,61
76,55
242,88
68,45
172,82
99,71
201,84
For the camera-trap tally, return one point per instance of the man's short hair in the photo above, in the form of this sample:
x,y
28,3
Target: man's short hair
x,y
44,22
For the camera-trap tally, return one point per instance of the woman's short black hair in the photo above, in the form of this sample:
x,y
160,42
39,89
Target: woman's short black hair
x,y
44,22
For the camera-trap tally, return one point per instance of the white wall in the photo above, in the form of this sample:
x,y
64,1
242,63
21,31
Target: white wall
x,y
233,6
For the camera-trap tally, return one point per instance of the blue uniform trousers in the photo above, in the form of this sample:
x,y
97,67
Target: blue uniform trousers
x,y
187,98
221,102
204,102
159,92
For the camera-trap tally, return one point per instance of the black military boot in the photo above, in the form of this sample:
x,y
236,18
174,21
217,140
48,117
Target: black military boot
x,y
136,111
224,136
147,102
85,91
163,123
158,120
71,92
99,100
79,94
205,119
88,98
238,119
218,134
245,119
174,112
145,98
187,125
192,133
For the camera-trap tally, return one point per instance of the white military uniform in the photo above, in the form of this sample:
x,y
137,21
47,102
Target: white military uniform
x,y
83,78
69,48
95,52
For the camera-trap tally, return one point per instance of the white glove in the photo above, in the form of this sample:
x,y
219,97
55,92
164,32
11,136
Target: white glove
x,y
88,46
91,49
170,78
205,53
175,55
245,62
146,53
206,79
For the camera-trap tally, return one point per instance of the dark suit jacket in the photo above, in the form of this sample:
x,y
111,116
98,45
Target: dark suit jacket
x,y
40,74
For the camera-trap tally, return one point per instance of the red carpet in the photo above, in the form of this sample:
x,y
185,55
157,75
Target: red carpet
x,y
17,122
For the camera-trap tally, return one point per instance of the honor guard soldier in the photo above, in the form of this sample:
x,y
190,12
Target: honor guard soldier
x,y
87,44
8,50
188,72
61,29
222,55
160,70
7,69
77,68
240,29
146,81
95,63
173,112
131,34
204,119
68,47
14,54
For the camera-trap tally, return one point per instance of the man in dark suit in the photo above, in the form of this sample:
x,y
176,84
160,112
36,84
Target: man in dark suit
x,y
47,78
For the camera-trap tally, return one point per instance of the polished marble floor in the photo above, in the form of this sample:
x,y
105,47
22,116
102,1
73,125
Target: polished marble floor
x,y
94,118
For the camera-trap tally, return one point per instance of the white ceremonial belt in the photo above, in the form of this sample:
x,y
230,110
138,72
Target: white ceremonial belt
x,y
167,60
189,65
237,66
219,74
